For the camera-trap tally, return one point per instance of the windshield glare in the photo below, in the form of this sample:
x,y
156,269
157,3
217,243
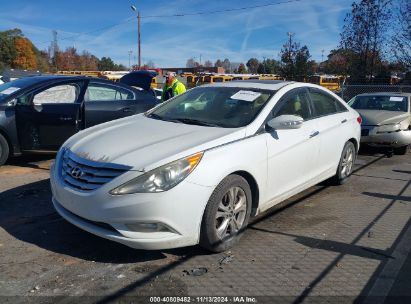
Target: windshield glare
x,y
226,107
381,102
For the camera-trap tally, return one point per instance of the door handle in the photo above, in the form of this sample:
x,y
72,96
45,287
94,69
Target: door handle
x,y
343,121
314,134
65,118
127,110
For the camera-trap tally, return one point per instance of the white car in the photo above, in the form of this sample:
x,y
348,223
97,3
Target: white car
x,y
195,168
386,119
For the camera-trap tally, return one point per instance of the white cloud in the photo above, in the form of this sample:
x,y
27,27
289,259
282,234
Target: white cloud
x,y
170,41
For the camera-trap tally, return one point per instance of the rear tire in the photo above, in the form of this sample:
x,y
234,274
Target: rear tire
x,y
401,150
344,170
4,150
226,214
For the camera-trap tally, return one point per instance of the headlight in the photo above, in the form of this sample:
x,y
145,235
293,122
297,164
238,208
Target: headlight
x,y
161,179
389,128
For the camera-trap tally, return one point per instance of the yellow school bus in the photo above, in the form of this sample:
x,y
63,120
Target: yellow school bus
x,y
331,82
80,73
217,78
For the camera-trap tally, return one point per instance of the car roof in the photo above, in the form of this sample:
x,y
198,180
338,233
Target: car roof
x,y
385,93
255,84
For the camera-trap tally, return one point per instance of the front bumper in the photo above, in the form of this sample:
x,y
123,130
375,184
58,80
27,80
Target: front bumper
x,y
393,139
108,216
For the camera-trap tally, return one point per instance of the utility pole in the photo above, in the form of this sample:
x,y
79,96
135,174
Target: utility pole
x,y
139,42
322,55
129,59
264,62
290,61
290,35
139,35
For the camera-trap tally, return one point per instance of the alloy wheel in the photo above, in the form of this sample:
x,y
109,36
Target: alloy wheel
x,y
231,212
347,162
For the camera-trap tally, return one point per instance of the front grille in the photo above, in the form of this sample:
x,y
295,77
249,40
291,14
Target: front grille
x,y
87,175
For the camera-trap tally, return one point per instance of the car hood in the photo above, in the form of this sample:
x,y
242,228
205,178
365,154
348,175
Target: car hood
x,y
378,117
144,143
141,79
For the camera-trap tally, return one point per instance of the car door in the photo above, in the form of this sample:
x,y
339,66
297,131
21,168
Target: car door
x,y
332,118
47,116
291,154
105,101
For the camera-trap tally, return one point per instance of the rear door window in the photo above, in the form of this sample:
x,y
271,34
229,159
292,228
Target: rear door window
x,y
105,92
325,104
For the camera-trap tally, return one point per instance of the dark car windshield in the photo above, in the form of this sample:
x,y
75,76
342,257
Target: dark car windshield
x,y
226,107
13,86
380,102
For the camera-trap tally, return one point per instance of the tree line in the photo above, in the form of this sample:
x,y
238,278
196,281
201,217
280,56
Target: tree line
x,y
18,52
375,42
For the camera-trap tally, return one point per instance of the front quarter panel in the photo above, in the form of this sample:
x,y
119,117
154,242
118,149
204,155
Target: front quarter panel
x,y
248,154
8,126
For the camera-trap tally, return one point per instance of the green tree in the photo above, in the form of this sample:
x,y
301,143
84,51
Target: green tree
x,y
303,67
7,48
106,64
295,63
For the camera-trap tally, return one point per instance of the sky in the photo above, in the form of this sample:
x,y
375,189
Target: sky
x,y
109,27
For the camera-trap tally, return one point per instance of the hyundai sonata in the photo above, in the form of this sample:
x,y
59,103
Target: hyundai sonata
x,y
194,170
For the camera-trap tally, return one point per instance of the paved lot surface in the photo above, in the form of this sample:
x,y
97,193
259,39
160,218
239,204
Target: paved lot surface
x,y
328,244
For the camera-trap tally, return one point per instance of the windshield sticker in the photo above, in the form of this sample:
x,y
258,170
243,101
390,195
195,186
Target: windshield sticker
x,y
395,98
246,95
9,90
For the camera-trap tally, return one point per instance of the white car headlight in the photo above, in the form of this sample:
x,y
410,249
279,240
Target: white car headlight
x,y
160,179
389,128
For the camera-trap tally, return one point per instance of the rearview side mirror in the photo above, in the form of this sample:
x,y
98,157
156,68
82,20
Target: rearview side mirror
x,y
284,122
12,102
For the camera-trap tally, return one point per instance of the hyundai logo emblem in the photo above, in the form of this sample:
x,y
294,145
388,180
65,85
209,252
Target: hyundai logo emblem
x,y
76,172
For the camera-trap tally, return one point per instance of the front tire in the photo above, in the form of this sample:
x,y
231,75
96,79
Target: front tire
x,y
401,150
344,170
4,150
226,214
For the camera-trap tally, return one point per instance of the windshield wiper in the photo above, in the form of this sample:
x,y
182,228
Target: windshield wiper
x,y
156,116
191,121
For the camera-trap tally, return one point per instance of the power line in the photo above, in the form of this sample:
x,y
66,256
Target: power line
x,y
73,37
221,11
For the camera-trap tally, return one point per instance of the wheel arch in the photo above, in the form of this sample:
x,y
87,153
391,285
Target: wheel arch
x,y
255,191
8,139
355,143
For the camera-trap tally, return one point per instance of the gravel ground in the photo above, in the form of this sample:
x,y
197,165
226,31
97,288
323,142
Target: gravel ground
x,y
328,244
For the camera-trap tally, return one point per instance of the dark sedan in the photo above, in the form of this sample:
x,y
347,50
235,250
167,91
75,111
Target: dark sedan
x,y
39,113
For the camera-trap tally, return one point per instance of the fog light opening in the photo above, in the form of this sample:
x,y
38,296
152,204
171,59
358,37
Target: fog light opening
x,y
149,227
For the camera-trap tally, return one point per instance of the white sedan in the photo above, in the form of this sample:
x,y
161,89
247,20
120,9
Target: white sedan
x,y
195,168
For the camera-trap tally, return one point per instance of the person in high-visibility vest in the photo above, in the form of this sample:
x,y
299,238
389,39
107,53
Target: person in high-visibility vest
x,y
172,87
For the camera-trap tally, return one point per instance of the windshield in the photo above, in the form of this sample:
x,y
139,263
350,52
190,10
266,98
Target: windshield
x,y
226,107
13,86
380,102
